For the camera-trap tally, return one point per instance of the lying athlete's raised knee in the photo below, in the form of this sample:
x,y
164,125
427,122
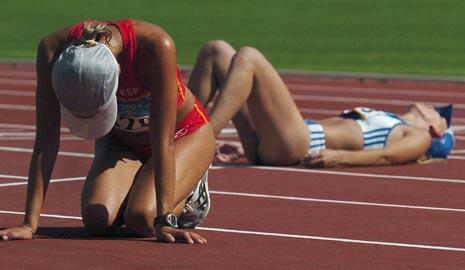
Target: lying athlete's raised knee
x,y
216,48
247,56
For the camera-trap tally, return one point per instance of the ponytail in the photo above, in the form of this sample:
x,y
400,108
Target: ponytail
x,y
93,31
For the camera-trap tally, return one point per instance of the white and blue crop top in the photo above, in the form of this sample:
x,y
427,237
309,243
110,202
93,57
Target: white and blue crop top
x,y
376,125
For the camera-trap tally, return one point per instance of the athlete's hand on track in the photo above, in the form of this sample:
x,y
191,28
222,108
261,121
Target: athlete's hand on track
x,y
228,151
171,235
322,159
16,233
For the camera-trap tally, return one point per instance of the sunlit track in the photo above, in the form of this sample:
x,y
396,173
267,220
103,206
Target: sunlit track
x,y
265,196
284,235
283,169
395,212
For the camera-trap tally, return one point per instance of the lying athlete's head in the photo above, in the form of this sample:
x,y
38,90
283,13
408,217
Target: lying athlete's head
x,y
438,120
429,117
85,80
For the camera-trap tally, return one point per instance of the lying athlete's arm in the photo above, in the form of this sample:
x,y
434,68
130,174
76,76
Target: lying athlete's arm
x,y
48,127
409,148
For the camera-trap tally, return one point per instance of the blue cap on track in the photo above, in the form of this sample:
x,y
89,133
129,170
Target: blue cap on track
x,y
441,147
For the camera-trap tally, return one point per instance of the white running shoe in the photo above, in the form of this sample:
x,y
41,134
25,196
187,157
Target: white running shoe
x,y
197,205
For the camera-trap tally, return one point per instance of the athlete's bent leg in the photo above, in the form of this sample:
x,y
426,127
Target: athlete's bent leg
x,y
108,182
210,69
193,155
282,135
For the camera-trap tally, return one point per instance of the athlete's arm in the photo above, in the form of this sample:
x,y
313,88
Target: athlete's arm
x,y
160,72
47,136
159,75
409,148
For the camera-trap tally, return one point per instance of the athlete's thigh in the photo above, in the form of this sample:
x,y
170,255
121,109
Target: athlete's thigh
x,y
193,156
210,69
109,179
281,130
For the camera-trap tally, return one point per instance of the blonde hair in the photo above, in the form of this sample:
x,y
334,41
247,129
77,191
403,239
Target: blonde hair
x,y
93,31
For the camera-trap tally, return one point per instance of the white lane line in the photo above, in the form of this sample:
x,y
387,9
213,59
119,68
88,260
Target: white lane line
x,y
286,169
17,107
369,90
456,157
296,97
303,110
368,101
455,128
266,196
17,134
16,93
368,175
13,176
61,153
333,239
286,235
27,127
18,82
58,180
294,86
292,198
32,138
458,151
42,215
18,73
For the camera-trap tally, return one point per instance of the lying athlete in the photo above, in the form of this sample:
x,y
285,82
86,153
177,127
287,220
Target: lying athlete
x,y
272,131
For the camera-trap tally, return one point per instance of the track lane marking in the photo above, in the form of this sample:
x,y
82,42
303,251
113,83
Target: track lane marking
x,y
368,175
293,198
372,90
284,169
309,87
23,183
60,153
264,196
286,235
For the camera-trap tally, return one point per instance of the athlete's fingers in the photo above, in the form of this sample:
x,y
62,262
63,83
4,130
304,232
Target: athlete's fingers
x,y
166,237
198,239
185,236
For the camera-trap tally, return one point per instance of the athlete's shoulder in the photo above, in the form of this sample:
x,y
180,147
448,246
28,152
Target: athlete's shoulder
x,y
147,30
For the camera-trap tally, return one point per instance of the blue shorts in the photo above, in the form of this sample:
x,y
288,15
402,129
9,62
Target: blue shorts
x,y
316,134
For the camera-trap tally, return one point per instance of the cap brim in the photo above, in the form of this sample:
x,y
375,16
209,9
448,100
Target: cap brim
x,y
446,113
95,127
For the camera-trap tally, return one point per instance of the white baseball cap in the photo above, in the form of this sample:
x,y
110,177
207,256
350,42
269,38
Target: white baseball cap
x,y
85,80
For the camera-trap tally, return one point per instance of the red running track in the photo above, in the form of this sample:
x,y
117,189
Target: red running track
x,y
399,217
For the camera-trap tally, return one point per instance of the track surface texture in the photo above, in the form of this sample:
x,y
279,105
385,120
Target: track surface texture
x,y
399,217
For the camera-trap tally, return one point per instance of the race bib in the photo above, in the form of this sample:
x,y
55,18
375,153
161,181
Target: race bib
x,y
133,116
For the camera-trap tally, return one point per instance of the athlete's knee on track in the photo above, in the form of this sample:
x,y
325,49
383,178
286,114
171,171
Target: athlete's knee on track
x,y
139,222
96,219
